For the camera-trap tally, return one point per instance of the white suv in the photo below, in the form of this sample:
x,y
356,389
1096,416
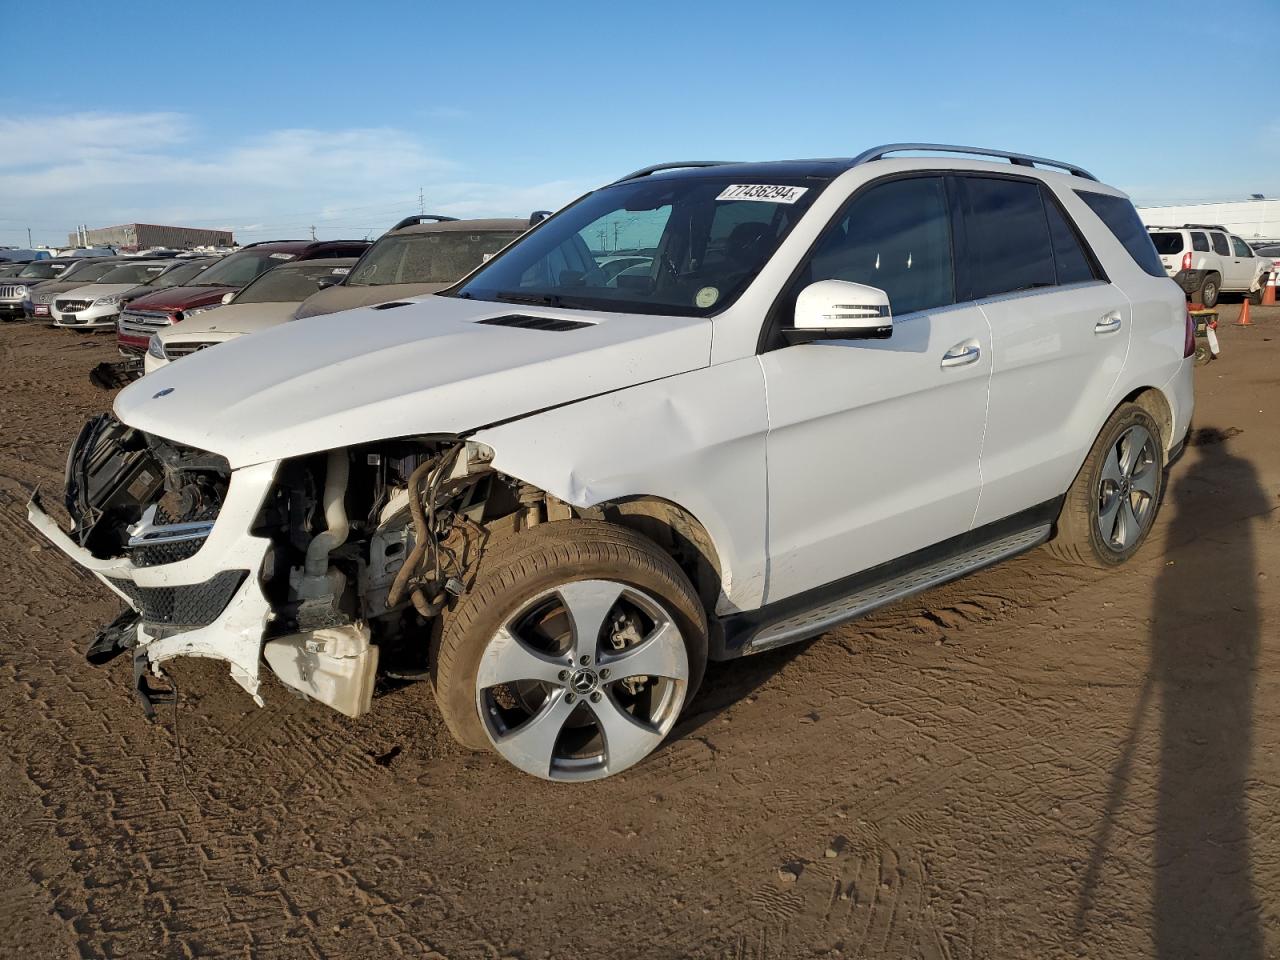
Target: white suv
x,y
703,411
1205,261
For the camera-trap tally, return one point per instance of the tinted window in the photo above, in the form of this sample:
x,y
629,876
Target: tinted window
x,y
1069,259
1199,243
291,283
1167,243
1122,220
1220,245
1006,244
239,268
897,237
1240,247
437,257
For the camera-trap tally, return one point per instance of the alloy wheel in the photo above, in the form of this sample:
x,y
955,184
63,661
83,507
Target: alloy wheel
x,y
1126,497
583,680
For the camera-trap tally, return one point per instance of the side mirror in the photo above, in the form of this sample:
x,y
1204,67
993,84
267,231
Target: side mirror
x,y
228,297
840,310
324,283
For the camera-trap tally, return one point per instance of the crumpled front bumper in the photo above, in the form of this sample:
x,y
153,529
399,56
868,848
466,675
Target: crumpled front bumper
x,y
180,596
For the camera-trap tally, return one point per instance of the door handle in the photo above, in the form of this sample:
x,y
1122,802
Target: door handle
x,y
1108,324
962,354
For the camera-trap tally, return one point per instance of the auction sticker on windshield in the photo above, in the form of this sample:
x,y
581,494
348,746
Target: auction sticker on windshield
x,y
763,192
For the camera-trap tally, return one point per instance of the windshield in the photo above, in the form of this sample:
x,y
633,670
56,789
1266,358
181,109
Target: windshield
x,y
11,269
239,268
290,284
179,276
436,257
1167,243
43,270
132,273
673,245
89,271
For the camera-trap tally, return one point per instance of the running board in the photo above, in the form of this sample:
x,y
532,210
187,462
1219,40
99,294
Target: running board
x,y
812,622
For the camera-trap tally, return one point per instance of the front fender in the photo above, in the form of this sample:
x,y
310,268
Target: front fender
x,y
696,439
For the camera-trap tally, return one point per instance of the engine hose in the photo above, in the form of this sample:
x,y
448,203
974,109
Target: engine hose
x,y
414,560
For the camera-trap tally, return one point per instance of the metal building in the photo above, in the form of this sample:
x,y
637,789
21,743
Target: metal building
x,y
143,236
1257,219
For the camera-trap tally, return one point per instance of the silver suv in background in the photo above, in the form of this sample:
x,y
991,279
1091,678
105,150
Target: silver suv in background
x,y
1205,261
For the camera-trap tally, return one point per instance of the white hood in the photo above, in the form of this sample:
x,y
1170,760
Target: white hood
x,y
232,319
426,367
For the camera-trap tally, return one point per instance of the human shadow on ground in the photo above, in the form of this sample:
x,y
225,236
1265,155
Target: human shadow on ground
x,y
1205,635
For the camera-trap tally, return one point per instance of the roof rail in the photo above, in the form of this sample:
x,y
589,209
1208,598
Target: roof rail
x,y
680,164
1204,226
1018,159
420,218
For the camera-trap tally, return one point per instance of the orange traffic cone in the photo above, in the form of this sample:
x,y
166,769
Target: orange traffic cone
x,y
1269,295
1244,320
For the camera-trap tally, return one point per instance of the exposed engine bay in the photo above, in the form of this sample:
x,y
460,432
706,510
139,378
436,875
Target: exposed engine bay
x,y
367,545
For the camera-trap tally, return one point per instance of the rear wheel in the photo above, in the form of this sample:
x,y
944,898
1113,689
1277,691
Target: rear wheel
x,y
574,652
1210,287
1112,503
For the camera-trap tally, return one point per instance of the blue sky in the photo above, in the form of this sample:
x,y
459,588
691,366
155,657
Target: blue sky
x,y
271,117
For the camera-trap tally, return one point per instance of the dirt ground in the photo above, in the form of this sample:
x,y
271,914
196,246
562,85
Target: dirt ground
x,y
1035,762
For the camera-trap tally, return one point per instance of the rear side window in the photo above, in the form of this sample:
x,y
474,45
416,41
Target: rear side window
x,y
1220,246
1122,220
1199,243
895,236
1167,243
1240,247
1006,245
1069,258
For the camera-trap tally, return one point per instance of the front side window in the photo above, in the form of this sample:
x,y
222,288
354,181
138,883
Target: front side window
x,y
1167,242
1240,247
1220,245
1122,220
433,257
289,284
895,236
1006,245
678,245
1199,242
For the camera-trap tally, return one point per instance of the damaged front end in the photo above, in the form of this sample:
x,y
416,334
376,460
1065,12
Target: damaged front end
x,y
327,566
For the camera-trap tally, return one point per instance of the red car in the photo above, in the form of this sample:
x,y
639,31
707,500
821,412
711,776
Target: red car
x,y
156,311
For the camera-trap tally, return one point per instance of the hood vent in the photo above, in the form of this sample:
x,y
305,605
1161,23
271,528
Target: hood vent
x,y
390,306
551,324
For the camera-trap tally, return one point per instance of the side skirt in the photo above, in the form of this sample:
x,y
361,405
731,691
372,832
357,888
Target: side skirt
x,y
806,615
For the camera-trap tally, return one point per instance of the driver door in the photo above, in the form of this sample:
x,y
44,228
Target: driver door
x,y
873,446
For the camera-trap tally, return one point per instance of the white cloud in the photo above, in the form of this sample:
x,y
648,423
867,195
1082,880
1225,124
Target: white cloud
x,y
153,167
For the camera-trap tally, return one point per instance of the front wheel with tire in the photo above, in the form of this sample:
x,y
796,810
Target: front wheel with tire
x,y
574,652
1210,287
1112,503
1255,297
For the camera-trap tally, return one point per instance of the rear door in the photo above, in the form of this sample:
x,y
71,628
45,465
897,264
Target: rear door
x,y
1059,331
1229,265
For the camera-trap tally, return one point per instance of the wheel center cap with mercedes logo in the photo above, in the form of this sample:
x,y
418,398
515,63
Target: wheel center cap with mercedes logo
x,y
583,681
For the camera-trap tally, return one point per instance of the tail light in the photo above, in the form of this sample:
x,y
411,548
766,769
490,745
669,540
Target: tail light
x,y
1186,260
1189,347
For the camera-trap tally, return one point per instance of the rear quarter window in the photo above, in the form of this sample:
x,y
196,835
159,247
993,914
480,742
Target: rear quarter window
x,y
1123,221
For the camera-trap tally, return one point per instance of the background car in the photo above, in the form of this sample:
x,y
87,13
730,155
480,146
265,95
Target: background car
x,y
12,268
154,312
269,300
42,277
97,305
419,255
1205,261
